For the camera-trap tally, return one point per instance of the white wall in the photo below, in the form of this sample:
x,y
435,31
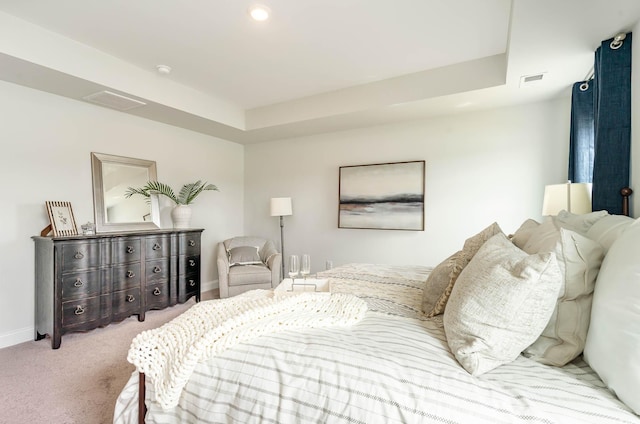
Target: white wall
x,y
480,167
46,144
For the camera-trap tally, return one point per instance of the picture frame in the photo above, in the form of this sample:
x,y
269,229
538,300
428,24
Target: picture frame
x,y
382,196
63,222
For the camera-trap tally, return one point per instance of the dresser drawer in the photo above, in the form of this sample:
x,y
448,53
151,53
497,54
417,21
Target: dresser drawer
x,y
126,303
157,270
76,256
80,284
189,284
189,265
157,247
126,250
81,313
190,243
157,295
126,276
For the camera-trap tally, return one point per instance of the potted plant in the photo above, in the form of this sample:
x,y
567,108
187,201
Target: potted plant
x,y
181,213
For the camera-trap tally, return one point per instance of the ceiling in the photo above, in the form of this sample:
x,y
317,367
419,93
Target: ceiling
x,y
314,66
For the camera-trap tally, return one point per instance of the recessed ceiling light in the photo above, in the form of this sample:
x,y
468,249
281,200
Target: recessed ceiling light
x,y
259,12
163,69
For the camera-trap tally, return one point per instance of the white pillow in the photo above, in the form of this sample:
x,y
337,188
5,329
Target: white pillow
x,y
500,304
579,259
578,222
613,342
606,230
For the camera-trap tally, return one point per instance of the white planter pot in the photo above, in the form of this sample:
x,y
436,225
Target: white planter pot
x,y
181,216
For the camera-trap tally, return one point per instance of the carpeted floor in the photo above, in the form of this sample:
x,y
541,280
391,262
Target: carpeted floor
x,y
79,382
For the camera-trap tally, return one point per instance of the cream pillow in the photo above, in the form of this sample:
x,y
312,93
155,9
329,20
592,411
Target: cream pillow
x,y
613,342
524,233
244,255
579,259
436,292
606,230
500,304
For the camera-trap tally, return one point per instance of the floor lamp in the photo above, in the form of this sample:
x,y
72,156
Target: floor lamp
x,y
281,206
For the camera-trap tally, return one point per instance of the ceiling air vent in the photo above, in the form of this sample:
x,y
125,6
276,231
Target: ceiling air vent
x,y
532,80
113,100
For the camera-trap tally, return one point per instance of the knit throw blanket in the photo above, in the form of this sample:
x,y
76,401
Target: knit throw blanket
x,y
169,354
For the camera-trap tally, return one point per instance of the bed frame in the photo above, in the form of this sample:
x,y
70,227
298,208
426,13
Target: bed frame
x,y
142,406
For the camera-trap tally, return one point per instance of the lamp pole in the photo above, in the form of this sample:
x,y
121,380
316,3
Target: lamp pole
x,y
282,242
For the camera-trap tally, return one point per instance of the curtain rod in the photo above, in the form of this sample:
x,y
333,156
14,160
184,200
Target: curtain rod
x,y
615,44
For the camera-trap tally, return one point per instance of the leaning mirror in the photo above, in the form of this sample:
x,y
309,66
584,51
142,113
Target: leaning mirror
x,y
112,175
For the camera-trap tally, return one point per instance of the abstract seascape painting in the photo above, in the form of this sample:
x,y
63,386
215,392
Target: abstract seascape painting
x,y
385,196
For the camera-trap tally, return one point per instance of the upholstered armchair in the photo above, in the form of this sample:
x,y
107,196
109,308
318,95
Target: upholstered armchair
x,y
247,263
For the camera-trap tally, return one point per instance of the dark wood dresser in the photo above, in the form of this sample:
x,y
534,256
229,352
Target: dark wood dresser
x,y
84,282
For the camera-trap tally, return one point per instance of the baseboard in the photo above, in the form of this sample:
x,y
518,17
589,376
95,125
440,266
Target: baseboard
x,y
16,337
209,285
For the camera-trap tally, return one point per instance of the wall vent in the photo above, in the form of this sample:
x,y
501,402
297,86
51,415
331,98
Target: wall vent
x,y
113,100
532,80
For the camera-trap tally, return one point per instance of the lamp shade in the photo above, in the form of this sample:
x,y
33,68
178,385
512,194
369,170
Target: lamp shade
x,y
281,206
572,197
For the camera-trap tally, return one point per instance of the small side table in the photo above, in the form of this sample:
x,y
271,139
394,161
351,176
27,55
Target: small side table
x,y
308,285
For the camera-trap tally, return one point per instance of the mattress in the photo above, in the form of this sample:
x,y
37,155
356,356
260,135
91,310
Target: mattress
x,y
394,366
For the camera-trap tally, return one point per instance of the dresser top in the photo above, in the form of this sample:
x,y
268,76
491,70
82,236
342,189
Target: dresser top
x,y
121,234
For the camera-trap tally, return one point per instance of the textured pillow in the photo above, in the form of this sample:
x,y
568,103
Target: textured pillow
x,y
613,341
244,255
524,233
451,269
500,304
437,282
606,230
578,223
579,259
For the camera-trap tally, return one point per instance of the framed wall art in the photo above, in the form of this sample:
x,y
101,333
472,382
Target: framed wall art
x,y
61,217
384,196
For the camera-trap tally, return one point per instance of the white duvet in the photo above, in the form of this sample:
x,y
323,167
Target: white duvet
x,y
394,366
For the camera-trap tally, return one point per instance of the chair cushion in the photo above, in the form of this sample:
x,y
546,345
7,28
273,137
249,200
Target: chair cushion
x,y
249,274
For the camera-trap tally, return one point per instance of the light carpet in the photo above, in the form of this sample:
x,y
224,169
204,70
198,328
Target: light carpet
x,y
79,382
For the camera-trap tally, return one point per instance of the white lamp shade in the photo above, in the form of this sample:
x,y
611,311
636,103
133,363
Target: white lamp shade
x,y
572,197
281,206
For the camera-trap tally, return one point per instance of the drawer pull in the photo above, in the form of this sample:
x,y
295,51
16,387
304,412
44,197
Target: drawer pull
x,y
192,243
192,262
130,249
156,246
157,292
78,283
130,274
156,269
79,310
78,255
130,298
192,283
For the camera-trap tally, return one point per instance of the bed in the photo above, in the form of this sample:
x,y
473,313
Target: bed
x,y
397,364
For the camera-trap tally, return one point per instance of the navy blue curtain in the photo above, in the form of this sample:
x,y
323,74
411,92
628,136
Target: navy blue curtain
x,y
581,138
605,160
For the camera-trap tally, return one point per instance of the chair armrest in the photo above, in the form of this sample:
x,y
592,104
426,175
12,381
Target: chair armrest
x,y
274,262
223,271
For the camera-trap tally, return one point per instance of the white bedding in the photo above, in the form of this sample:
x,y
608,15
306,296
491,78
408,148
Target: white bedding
x,y
392,367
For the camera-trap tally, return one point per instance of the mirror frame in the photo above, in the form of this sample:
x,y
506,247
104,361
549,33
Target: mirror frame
x,y
102,226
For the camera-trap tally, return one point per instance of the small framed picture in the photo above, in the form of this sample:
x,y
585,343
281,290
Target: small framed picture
x,y
61,216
